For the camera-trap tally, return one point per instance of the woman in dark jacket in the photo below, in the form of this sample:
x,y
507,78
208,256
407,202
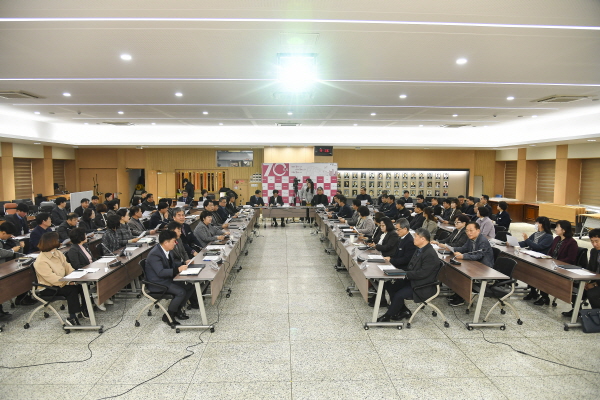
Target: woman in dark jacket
x,y
539,241
87,221
100,219
564,248
458,237
503,218
388,240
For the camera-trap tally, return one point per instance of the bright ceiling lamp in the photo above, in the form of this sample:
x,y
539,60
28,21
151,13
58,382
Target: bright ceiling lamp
x,y
297,72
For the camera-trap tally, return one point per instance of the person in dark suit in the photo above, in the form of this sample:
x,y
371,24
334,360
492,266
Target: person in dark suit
x,y
419,218
185,197
85,203
275,201
364,196
161,268
421,270
100,218
64,228
320,198
470,207
484,200
345,211
108,197
8,245
257,200
87,221
384,203
503,218
401,211
380,198
189,188
458,237
407,198
187,235
19,219
95,201
230,207
44,222
388,240
203,197
148,204
59,214
222,209
160,217
437,208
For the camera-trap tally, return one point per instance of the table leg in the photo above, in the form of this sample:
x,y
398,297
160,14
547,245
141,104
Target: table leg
x,y
90,307
476,322
374,322
205,324
576,306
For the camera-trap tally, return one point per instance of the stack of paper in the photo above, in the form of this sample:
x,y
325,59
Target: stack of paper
x,y
76,274
375,257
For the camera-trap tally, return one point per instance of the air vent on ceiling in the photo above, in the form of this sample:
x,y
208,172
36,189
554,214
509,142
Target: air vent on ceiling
x,y
118,123
559,99
288,124
454,125
13,94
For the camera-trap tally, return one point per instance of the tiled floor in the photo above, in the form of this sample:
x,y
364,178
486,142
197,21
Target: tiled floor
x,y
289,330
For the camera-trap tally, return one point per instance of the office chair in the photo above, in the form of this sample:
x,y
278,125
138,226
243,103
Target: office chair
x,y
10,208
427,302
501,235
582,261
46,301
496,252
502,290
154,296
441,234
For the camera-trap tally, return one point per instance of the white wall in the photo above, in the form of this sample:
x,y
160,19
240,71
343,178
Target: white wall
x,y
584,150
507,155
541,153
28,150
63,153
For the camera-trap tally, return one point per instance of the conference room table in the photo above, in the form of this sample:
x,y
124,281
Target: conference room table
x,y
286,212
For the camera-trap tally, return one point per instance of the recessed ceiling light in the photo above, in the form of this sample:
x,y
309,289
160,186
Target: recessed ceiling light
x,y
402,96
120,112
290,113
373,114
420,126
126,57
426,148
220,123
154,123
178,94
85,123
36,112
461,61
37,143
510,98
534,116
455,115
591,140
67,94
532,145
205,112
355,124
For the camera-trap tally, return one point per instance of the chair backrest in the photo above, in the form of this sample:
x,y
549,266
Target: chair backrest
x,y
501,235
10,208
442,234
496,252
143,266
499,228
505,265
582,259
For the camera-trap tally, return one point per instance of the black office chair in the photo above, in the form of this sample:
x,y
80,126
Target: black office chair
x,y
427,302
582,261
46,303
442,234
496,252
502,290
154,296
501,235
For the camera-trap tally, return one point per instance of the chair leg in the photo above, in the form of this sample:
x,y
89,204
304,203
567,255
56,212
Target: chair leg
x,y
419,308
35,310
143,310
62,322
439,312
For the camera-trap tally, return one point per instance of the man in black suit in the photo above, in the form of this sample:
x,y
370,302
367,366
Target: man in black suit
x,y
64,228
160,218
95,202
345,211
484,200
320,198
160,268
364,196
257,200
108,197
417,221
186,198
384,203
19,219
421,270
274,201
437,208
85,203
59,213
407,198
187,235
189,187
469,209
401,211
148,204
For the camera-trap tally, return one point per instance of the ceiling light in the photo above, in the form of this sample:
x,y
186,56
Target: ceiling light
x,y
510,98
178,94
296,72
36,112
85,123
37,143
205,112
126,57
402,96
373,114
455,115
534,116
420,126
290,113
532,145
220,123
591,140
120,112
461,61
355,124
154,123
67,94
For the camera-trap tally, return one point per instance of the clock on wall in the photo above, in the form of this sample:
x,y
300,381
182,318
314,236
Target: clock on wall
x,y
323,150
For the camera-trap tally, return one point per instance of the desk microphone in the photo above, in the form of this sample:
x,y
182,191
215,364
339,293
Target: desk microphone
x,y
108,250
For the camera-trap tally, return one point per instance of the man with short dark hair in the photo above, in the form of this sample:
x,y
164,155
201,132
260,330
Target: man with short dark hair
x,y
94,203
257,200
470,206
418,218
160,268
19,219
485,201
407,198
189,187
274,201
44,222
384,203
185,198
437,208
421,270
363,196
401,211
108,197
85,203
59,214
352,221
64,228
187,236
345,210
161,218
148,204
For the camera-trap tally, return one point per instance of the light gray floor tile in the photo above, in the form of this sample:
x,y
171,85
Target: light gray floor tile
x,y
43,391
579,352
546,387
323,284
149,391
263,327
340,389
448,388
239,390
256,303
319,302
326,326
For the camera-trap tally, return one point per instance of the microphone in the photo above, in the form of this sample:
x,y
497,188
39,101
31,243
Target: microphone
x,y
108,250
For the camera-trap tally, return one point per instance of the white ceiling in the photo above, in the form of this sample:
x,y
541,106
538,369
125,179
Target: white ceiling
x,y
222,56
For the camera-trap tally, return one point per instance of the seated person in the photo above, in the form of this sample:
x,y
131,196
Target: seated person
x,y
377,232
363,196
365,225
203,196
87,220
352,221
59,213
485,202
182,253
112,207
478,248
401,211
345,211
136,226
388,239
51,266
421,270
437,208
108,197
9,245
485,223
458,237
160,219
64,228
320,198
470,207
94,203
384,193
334,203
148,204
391,211
212,207
446,211
421,200
44,222
187,236
257,200
85,203
19,219
274,201
100,219
110,239
231,207
406,197
539,241
418,219
592,289
503,218
123,232
161,268
185,198
455,211
205,232
429,222
383,203
222,209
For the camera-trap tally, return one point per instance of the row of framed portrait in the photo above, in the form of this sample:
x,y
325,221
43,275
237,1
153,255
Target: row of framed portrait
x,y
396,175
395,184
377,193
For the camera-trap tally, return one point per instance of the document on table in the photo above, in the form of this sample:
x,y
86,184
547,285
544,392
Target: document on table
x,y
535,254
375,257
191,271
581,272
386,267
92,270
211,258
76,274
146,214
145,240
215,247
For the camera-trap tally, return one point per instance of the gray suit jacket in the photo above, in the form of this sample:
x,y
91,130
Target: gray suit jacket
x,y
206,233
158,269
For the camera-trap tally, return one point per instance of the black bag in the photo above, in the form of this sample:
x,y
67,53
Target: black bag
x,y
590,320
593,296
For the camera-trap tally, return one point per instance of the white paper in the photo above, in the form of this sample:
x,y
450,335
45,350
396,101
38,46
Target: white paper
x,y
581,272
386,267
347,230
145,240
146,214
92,270
535,254
435,246
375,257
33,255
142,234
21,237
130,249
215,247
180,204
76,274
191,271
211,258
